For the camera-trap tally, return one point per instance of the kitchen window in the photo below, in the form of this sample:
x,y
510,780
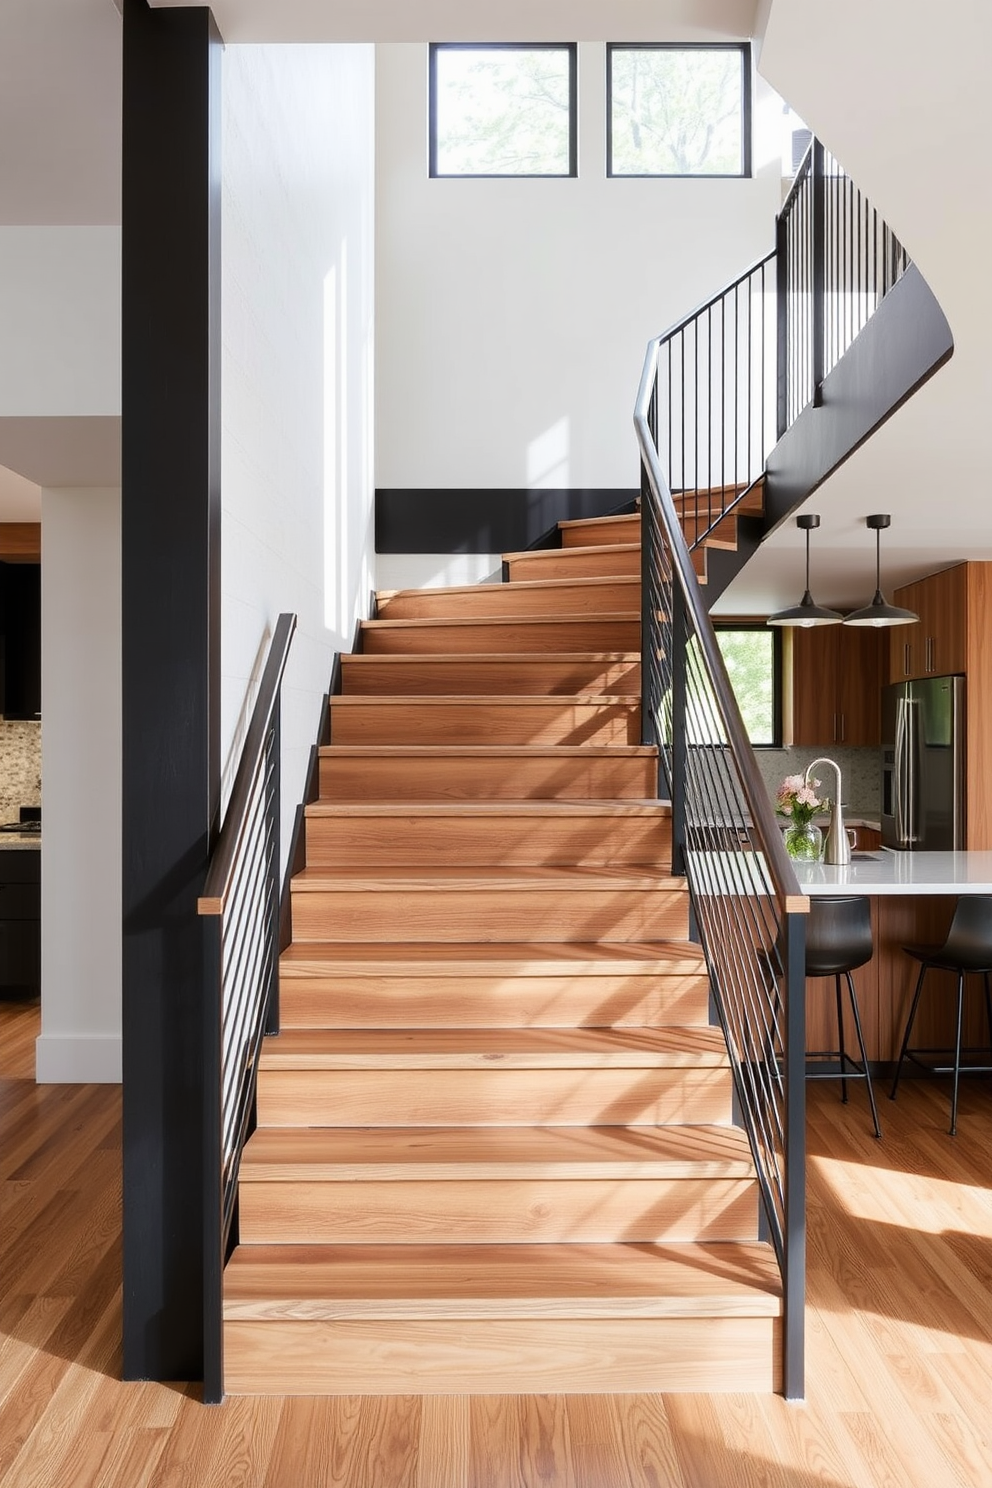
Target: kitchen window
x,y
506,109
753,656
678,110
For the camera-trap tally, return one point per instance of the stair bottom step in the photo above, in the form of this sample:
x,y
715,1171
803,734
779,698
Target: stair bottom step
x,y
385,1282
503,1356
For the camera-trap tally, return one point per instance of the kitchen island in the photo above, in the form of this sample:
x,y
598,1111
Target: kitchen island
x,y
912,900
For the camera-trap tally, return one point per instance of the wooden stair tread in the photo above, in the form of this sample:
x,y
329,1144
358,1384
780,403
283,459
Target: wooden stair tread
x,y
457,621
483,700
516,586
604,550
523,658
495,1049
599,522
581,1280
277,1154
471,879
552,958
480,751
481,809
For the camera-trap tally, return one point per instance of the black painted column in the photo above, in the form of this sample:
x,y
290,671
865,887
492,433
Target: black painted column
x,y
171,653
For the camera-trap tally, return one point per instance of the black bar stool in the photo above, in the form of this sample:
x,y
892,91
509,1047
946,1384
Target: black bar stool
x,y
968,948
838,941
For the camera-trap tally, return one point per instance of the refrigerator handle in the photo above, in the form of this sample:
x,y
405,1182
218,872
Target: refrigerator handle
x,y
960,815
900,781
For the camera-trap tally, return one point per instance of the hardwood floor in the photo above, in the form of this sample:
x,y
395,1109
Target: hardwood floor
x,y
899,1337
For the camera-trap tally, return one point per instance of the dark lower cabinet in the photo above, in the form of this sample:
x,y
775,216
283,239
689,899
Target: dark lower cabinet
x,y
20,922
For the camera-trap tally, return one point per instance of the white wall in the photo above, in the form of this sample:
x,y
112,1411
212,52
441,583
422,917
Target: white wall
x,y
81,769
513,315
60,321
297,374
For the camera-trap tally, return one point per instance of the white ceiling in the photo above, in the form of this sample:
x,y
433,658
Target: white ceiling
x,y
454,20
60,165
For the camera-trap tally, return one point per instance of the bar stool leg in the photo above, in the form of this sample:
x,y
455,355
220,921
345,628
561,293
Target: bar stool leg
x,y
957,1057
840,1040
864,1054
909,1028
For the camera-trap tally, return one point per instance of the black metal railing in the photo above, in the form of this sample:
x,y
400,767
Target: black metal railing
x,y
715,397
240,909
835,261
747,904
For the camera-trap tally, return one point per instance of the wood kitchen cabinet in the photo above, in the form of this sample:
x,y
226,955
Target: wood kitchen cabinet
x,y
938,643
836,683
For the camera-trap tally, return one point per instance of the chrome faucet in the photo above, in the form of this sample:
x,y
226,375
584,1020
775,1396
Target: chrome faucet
x,y
837,845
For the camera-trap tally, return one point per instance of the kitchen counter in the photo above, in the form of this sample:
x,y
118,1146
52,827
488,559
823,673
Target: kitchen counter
x,y
10,840
887,872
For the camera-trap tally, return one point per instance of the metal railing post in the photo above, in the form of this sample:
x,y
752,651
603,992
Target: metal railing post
x,y
819,229
678,637
794,1271
649,702
213,1222
272,807
782,321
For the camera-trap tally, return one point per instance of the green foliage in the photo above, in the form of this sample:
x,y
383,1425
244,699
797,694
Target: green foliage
x,y
676,112
502,113
750,659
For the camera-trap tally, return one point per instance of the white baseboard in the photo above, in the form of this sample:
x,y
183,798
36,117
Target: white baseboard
x,y
78,1059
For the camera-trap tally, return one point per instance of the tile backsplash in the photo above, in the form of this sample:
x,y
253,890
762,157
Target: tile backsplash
x,y
20,767
861,773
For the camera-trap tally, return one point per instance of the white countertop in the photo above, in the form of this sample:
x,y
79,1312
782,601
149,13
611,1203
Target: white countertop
x,y
902,873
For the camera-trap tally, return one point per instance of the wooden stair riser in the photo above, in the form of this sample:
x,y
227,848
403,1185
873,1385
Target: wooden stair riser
x,y
595,532
493,914
475,676
500,1356
492,1097
484,721
511,1001
486,777
560,597
499,1212
615,560
541,635
517,840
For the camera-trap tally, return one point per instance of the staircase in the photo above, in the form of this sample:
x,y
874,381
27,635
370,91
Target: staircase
x,y
494,1150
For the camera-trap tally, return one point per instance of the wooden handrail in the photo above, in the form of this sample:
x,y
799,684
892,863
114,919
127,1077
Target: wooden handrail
x,y
224,859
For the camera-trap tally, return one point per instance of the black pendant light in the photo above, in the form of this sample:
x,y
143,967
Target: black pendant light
x,y
806,613
879,612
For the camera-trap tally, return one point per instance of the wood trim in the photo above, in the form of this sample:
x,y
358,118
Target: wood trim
x,y
20,542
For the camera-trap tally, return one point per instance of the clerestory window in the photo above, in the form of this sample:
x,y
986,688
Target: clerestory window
x,y
678,110
507,109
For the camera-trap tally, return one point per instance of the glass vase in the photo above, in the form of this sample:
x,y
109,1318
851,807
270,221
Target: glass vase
x,y
804,843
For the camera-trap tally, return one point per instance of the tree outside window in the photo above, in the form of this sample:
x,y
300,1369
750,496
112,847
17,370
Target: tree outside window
x,y
678,111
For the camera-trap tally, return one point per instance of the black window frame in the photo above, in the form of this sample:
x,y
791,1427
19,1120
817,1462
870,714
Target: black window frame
x,y
743,48
572,51
778,673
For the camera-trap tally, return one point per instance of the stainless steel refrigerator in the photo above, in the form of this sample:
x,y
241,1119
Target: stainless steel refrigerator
x,y
923,781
